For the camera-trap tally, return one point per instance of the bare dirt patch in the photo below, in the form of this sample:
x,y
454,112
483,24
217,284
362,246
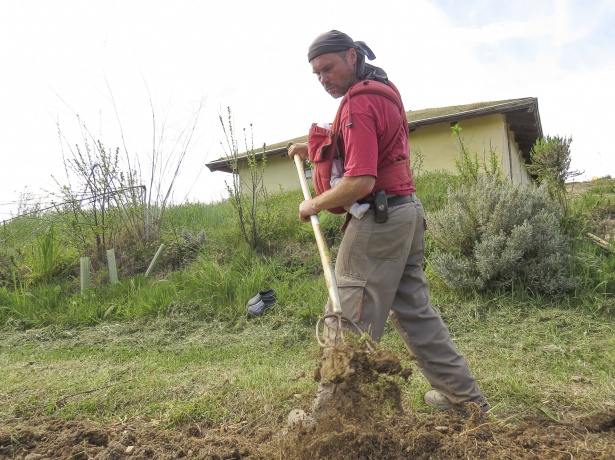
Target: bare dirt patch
x,y
366,422
442,436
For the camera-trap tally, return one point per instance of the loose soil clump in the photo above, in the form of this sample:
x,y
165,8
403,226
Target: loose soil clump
x,y
355,420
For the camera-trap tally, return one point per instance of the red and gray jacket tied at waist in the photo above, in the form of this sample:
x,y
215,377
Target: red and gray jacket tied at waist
x,y
324,145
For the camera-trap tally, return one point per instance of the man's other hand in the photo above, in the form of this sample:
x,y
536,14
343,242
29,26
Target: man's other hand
x,y
300,149
307,209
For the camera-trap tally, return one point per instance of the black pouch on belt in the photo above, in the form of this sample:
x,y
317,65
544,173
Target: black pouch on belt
x,y
381,206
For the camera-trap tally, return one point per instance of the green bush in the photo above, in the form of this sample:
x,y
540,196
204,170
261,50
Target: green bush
x,y
550,163
432,188
496,235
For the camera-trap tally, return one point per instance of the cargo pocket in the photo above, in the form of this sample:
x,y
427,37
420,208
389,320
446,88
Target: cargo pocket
x,y
351,295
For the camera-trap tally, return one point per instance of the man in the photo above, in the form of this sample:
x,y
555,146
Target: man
x,y
379,264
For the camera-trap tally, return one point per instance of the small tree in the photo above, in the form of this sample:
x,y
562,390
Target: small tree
x,y
101,200
551,165
110,198
247,192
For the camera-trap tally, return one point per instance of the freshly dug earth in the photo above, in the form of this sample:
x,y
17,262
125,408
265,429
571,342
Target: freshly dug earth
x,y
365,422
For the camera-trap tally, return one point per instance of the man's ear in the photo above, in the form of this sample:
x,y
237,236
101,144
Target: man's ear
x,y
351,56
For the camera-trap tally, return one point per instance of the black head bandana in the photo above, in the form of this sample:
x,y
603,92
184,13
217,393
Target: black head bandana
x,y
335,41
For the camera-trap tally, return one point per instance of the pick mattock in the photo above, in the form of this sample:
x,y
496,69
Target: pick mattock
x,y
332,321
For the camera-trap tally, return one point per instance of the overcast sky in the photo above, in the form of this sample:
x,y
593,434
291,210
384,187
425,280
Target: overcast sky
x,y
60,59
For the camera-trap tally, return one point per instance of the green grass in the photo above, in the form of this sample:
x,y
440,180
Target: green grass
x,y
177,369
433,187
178,346
169,371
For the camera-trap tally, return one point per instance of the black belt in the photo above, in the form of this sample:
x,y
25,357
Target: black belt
x,y
392,200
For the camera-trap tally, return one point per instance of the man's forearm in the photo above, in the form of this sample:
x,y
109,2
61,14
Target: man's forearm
x,y
347,191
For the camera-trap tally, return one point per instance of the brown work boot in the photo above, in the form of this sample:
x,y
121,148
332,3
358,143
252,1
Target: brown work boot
x,y
437,401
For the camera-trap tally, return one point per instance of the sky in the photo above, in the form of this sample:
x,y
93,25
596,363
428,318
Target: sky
x,y
121,68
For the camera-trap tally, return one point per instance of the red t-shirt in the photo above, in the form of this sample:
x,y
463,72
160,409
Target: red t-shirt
x,y
375,138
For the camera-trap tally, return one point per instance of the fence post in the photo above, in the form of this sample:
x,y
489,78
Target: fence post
x,y
112,266
154,260
85,273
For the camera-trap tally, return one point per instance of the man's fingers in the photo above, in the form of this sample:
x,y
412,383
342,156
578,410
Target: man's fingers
x,y
306,209
298,149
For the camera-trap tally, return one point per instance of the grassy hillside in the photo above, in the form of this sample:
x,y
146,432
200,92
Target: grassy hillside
x,y
177,348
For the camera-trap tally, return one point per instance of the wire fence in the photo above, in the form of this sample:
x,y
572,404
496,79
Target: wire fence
x,y
38,213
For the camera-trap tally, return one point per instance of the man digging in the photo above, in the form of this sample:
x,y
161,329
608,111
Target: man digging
x,y
379,264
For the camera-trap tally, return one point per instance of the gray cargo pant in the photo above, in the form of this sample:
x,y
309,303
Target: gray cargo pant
x,y
380,274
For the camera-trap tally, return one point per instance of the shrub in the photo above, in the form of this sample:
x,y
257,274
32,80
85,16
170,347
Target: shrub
x,y
551,165
101,202
495,235
113,199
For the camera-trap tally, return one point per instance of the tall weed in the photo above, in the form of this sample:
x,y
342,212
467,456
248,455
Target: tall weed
x,y
49,257
469,166
432,188
225,289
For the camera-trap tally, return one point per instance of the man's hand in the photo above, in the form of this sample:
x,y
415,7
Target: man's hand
x,y
300,149
307,209
349,190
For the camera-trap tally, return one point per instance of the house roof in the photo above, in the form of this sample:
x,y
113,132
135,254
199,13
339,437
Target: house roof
x,y
522,117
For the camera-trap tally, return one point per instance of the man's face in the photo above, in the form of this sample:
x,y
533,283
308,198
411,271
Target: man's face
x,y
336,73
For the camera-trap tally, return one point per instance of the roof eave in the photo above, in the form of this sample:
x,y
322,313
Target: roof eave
x,y
526,103
225,164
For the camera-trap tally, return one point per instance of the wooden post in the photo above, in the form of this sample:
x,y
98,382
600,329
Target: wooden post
x,y
600,242
154,260
85,273
112,266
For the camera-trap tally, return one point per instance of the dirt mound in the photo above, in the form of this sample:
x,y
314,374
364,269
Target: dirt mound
x,y
442,436
49,438
365,421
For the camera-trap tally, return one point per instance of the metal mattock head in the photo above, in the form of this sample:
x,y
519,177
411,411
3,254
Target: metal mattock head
x,y
330,329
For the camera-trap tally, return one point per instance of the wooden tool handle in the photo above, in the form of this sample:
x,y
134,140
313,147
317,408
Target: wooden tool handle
x,y
325,257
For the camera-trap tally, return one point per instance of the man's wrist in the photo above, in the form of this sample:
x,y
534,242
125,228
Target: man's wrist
x,y
314,205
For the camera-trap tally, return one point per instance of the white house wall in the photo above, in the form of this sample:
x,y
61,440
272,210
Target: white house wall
x,y
519,174
439,148
280,174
